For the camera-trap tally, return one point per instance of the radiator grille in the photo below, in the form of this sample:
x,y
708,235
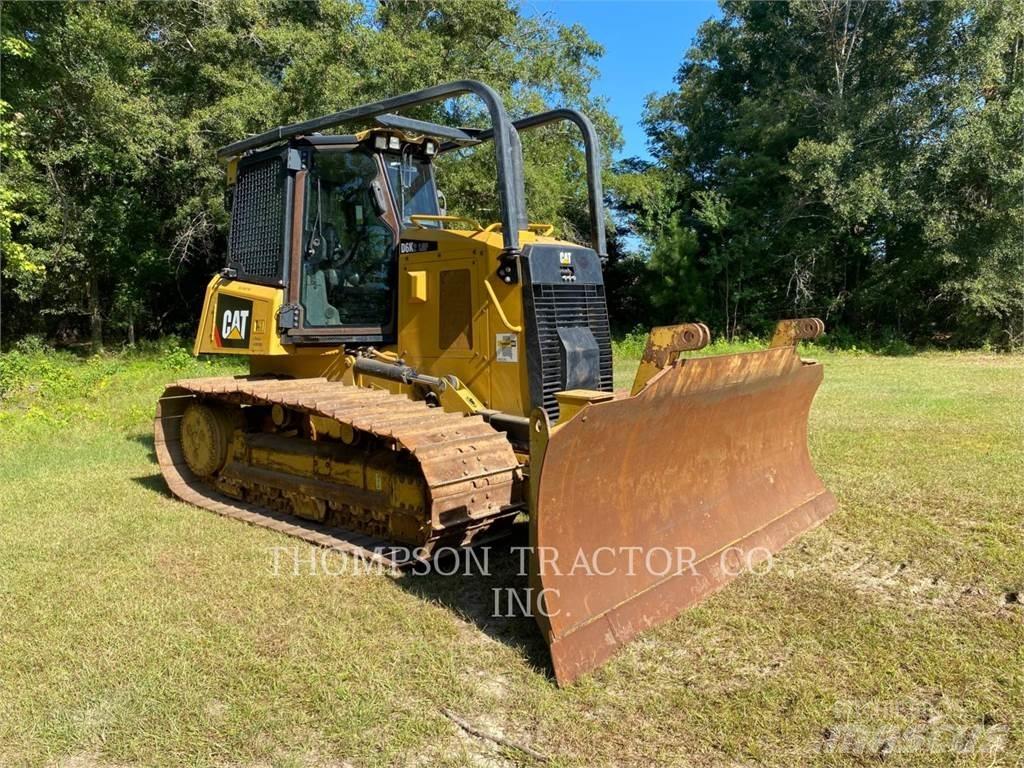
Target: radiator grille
x,y
257,220
567,306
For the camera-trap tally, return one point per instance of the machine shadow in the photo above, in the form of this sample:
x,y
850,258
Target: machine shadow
x,y
154,482
145,439
487,586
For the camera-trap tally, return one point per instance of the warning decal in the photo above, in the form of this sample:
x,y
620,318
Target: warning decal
x,y
506,347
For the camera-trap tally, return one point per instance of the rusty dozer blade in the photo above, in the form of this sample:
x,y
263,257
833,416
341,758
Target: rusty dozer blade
x,y
648,502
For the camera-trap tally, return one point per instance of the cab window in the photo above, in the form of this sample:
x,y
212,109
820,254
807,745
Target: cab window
x,y
412,182
348,262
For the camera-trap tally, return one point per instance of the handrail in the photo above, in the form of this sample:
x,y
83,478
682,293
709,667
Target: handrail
x,y
418,217
540,228
501,312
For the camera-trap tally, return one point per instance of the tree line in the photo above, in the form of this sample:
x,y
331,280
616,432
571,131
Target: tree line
x,y
113,213
861,161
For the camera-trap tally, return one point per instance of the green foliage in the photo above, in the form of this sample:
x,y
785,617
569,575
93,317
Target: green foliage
x,y
672,263
18,258
177,359
862,161
112,198
629,347
41,386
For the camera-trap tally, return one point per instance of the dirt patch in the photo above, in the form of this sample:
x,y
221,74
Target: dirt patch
x,y
482,752
906,582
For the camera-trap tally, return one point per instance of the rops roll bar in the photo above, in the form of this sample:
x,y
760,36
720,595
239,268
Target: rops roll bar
x,y
507,150
592,152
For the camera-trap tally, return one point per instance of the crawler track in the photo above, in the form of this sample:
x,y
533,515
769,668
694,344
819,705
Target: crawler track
x,y
469,470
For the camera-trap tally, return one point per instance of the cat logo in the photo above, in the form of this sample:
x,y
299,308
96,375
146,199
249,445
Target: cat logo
x,y
565,258
234,320
234,324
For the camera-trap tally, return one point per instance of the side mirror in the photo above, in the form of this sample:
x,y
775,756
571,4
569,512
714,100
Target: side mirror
x,y
442,203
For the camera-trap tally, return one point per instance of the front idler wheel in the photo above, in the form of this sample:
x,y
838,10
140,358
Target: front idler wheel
x,y
205,437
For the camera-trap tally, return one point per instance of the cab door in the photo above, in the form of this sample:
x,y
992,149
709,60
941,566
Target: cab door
x,y
344,263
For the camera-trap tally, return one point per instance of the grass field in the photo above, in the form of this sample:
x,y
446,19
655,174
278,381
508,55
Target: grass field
x,y
135,630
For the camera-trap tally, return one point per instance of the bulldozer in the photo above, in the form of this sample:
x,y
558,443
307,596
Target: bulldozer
x,y
420,381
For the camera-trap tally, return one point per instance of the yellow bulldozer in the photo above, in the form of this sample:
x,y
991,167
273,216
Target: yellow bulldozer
x,y
420,380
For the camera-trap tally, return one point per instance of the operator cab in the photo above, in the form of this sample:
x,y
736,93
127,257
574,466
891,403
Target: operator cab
x,y
322,217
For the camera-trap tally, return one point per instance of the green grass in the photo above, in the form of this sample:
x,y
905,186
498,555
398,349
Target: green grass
x,y
135,630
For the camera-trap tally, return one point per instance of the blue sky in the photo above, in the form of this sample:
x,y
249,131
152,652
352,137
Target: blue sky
x,y
644,42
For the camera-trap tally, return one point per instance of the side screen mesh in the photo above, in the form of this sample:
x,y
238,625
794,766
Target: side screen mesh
x,y
257,220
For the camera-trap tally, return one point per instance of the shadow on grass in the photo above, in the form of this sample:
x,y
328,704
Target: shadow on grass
x,y
487,587
145,439
154,482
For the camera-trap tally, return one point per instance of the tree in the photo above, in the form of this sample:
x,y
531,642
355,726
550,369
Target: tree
x,y
868,156
112,196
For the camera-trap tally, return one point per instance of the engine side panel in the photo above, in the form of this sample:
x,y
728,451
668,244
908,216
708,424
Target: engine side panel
x,y
239,318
